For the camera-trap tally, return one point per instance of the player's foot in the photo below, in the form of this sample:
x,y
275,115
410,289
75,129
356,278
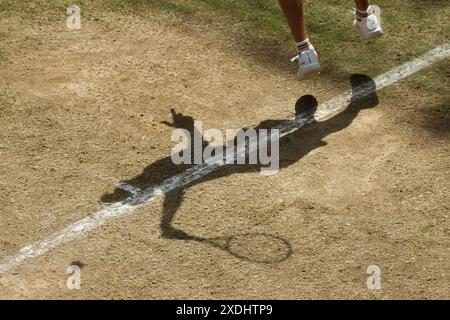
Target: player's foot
x,y
368,22
308,62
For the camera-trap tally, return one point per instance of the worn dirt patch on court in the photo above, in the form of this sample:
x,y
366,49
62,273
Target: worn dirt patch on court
x,y
81,111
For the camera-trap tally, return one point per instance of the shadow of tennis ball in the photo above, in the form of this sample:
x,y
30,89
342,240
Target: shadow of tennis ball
x,y
257,247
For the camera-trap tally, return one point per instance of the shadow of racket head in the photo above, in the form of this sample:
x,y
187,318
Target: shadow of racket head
x,y
254,247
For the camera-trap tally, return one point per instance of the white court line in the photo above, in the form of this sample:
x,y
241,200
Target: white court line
x,y
324,110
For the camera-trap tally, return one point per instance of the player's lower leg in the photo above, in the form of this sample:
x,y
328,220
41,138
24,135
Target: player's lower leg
x,y
308,61
362,4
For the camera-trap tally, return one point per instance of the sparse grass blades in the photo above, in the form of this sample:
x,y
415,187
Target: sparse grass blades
x,y
411,27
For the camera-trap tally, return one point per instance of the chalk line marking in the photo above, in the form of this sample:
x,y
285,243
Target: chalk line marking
x,y
143,197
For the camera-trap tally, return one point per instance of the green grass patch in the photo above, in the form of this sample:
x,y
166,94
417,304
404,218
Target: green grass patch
x,y
411,26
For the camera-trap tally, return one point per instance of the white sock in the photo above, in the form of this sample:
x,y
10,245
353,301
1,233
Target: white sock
x,y
303,45
363,13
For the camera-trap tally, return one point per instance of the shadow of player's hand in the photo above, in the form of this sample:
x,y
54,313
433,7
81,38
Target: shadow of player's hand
x,y
179,120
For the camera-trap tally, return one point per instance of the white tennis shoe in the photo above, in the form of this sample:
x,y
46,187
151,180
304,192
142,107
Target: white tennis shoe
x,y
308,64
369,27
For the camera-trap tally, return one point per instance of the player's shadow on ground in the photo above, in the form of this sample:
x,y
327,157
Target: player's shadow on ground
x,y
255,247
